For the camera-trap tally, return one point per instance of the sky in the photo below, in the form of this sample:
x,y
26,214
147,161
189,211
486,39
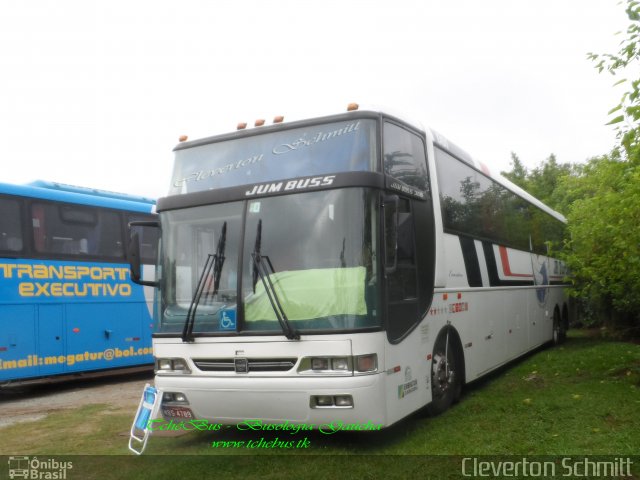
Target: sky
x,y
97,93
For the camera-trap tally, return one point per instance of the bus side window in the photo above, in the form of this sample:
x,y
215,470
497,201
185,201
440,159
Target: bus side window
x,y
10,228
404,157
76,231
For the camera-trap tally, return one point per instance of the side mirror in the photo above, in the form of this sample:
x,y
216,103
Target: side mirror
x,y
133,251
390,206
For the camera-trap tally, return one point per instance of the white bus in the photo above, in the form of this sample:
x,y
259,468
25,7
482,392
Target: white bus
x,y
344,270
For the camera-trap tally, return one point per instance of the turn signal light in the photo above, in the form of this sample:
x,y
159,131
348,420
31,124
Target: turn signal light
x,y
367,363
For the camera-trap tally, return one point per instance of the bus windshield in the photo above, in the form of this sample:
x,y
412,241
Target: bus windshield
x,y
311,256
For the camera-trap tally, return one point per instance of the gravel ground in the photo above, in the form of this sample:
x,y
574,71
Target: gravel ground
x,y
23,404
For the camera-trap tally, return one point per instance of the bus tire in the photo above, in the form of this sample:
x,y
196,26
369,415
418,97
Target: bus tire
x,y
565,322
558,328
445,379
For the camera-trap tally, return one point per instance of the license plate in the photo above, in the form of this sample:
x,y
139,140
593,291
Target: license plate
x,y
177,412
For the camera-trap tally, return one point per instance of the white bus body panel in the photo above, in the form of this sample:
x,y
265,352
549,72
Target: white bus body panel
x,y
498,324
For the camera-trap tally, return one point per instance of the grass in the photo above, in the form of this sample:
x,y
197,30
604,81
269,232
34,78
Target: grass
x,y
579,399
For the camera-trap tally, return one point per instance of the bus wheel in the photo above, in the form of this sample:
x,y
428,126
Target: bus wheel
x,y
558,328
565,323
445,381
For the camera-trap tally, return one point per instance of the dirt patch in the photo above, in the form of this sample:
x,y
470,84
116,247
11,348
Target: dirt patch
x,y
24,404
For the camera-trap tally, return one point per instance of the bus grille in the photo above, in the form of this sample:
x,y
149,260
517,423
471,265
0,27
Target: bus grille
x,y
254,364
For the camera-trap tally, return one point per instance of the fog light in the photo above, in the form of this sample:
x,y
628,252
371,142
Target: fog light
x,y
174,397
167,397
323,400
343,400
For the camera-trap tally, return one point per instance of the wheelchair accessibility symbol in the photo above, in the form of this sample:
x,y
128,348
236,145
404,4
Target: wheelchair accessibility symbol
x,y
227,319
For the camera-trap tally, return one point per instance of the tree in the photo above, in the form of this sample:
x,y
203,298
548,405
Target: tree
x,y
603,199
627,112
518,173
604,245
543,181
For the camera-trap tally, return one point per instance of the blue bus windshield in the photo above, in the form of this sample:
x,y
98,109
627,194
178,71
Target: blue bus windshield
x,y
312,150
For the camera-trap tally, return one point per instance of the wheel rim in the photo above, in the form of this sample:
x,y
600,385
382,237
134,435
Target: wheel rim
x,y
442,374
556,328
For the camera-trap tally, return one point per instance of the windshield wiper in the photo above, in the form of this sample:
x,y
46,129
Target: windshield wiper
x,y
263,269
214,263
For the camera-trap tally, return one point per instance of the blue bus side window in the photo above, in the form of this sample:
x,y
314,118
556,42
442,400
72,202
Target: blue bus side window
x,y
10,228
76,231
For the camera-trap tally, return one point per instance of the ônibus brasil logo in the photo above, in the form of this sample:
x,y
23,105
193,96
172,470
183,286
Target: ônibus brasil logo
x,y
35,468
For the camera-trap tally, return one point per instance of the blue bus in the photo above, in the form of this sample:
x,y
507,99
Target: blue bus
x,y
67,305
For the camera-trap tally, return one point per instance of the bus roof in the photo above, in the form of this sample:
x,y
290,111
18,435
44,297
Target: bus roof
x,y
90,191
79,195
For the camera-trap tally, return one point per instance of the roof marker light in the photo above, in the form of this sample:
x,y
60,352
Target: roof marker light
x,y
259,122
278,119
242,125
352,107
182,138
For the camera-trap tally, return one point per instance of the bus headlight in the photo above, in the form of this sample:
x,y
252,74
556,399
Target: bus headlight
x,y
172,365
340,363
330,365
319,363
345,365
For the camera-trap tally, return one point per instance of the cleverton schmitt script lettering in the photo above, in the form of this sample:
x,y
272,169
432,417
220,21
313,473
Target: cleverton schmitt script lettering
x,y
306,140
317,137
204,174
